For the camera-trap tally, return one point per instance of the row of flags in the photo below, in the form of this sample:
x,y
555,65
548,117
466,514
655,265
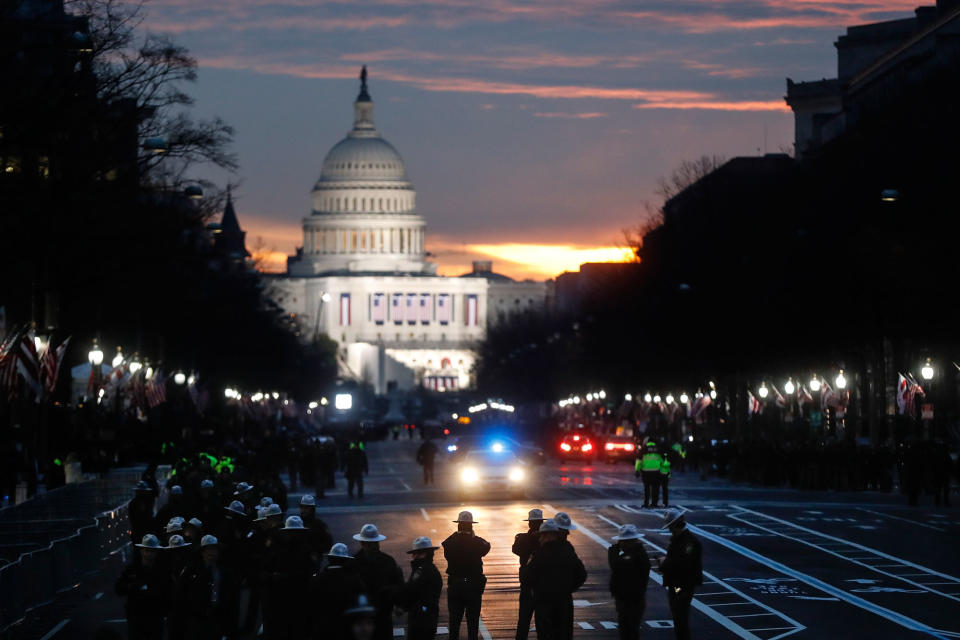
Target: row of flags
x,y
907,391
33,360
836,399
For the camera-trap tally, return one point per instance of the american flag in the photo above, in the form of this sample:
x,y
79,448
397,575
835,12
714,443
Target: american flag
x,y
411,307
753,405
50,363
137,394
396,308
8,364
903,394
700,405
803,396
778,397
156,389
443,308
28,365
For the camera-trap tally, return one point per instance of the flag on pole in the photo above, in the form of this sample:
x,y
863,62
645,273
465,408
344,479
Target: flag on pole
x,y
443,308
28,365
903,392
778,397
156,389
50,363
8,363
379,308
753,405
803,396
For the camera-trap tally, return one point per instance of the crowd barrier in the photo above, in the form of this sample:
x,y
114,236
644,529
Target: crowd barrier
x,y
38,575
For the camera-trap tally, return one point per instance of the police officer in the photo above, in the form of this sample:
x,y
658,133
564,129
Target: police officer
x,y
426,455
665,479
524,546
682,570
140,511
335,589
296,563
354,466
177,556
420,596
320,536
265,549
146,586
464,551
553,574
211,595
380,575
648,467
629,573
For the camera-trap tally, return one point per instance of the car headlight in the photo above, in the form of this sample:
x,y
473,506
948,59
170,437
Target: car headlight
x,y
451,447
469,475
516,474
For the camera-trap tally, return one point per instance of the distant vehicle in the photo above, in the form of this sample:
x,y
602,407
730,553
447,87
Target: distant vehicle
x,y
488,469
577,446
619,448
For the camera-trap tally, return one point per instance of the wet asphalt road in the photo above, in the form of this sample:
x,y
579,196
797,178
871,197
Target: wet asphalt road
x,y
778,563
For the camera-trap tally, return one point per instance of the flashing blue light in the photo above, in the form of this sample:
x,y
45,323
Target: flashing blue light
x,y
496,447
451,447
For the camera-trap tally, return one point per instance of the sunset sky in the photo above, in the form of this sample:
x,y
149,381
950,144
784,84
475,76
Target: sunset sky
x,y
533,131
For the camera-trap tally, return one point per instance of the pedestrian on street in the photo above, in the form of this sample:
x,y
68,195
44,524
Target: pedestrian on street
x,y
524,546
682,570
355,466
295,566
381,576
177,556
420,596
648,468
334,590
629,574
211,595
553,574
426,455
146,587
320,538
464,551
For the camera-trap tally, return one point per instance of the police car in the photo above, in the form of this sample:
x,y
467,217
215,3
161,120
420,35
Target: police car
x,y
491,468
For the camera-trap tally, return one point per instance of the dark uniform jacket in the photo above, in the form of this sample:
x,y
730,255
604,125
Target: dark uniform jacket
x,y
336,589
629,572
683,566
426,453
464,551
355,462
379,573
525,545
421,594
554,571
320,538
147,590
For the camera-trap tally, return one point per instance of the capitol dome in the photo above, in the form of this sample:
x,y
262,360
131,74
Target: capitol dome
x,y
364,207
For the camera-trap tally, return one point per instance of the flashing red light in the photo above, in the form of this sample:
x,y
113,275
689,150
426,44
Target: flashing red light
x,y
446,432
576,438
565,446
609,446
587,447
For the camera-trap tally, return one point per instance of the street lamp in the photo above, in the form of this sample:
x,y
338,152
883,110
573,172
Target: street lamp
x,y
96,355
763,391
179,377
814,383
669,398
926,371
656,398
647,398
789,387
684,398
628,397
117,359
194,192
841,380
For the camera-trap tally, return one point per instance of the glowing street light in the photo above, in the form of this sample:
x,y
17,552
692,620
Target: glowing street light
x,y
96,355
656,398
713,394
647,398
841,380
628,397
669,398
343,401
926,371
763,391
684,398
814,383
789,387
117,359
179,377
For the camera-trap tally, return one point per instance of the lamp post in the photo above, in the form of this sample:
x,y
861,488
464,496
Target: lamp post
x,y
95,357
927,372
324,298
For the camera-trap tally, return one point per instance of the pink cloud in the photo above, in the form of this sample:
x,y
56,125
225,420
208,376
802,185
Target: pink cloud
x,y
720,105
577,116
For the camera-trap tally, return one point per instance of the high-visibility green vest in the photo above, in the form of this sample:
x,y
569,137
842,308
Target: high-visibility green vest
x,y
679,449
650,461
665,467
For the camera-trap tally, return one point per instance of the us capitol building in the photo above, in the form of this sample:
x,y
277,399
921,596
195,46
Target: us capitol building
x,y
363,279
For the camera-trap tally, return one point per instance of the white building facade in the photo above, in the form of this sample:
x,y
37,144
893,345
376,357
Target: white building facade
x,y
362,278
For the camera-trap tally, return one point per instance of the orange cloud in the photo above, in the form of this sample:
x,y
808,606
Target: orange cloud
x,y
578,116
719,105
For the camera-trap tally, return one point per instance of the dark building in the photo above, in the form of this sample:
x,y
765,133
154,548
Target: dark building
x,y
229,240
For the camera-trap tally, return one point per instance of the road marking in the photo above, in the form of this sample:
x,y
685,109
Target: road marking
x,y
858,548
406,486
484,631
717,617
98,595
820,585
53,632
608,625
913,522
424,513
586,625
442,631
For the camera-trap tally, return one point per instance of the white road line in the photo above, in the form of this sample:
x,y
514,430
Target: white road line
x,y
820,585
424,513
406,486
913,522
53,632
878,568
586,625
724,621
484,631
608,625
